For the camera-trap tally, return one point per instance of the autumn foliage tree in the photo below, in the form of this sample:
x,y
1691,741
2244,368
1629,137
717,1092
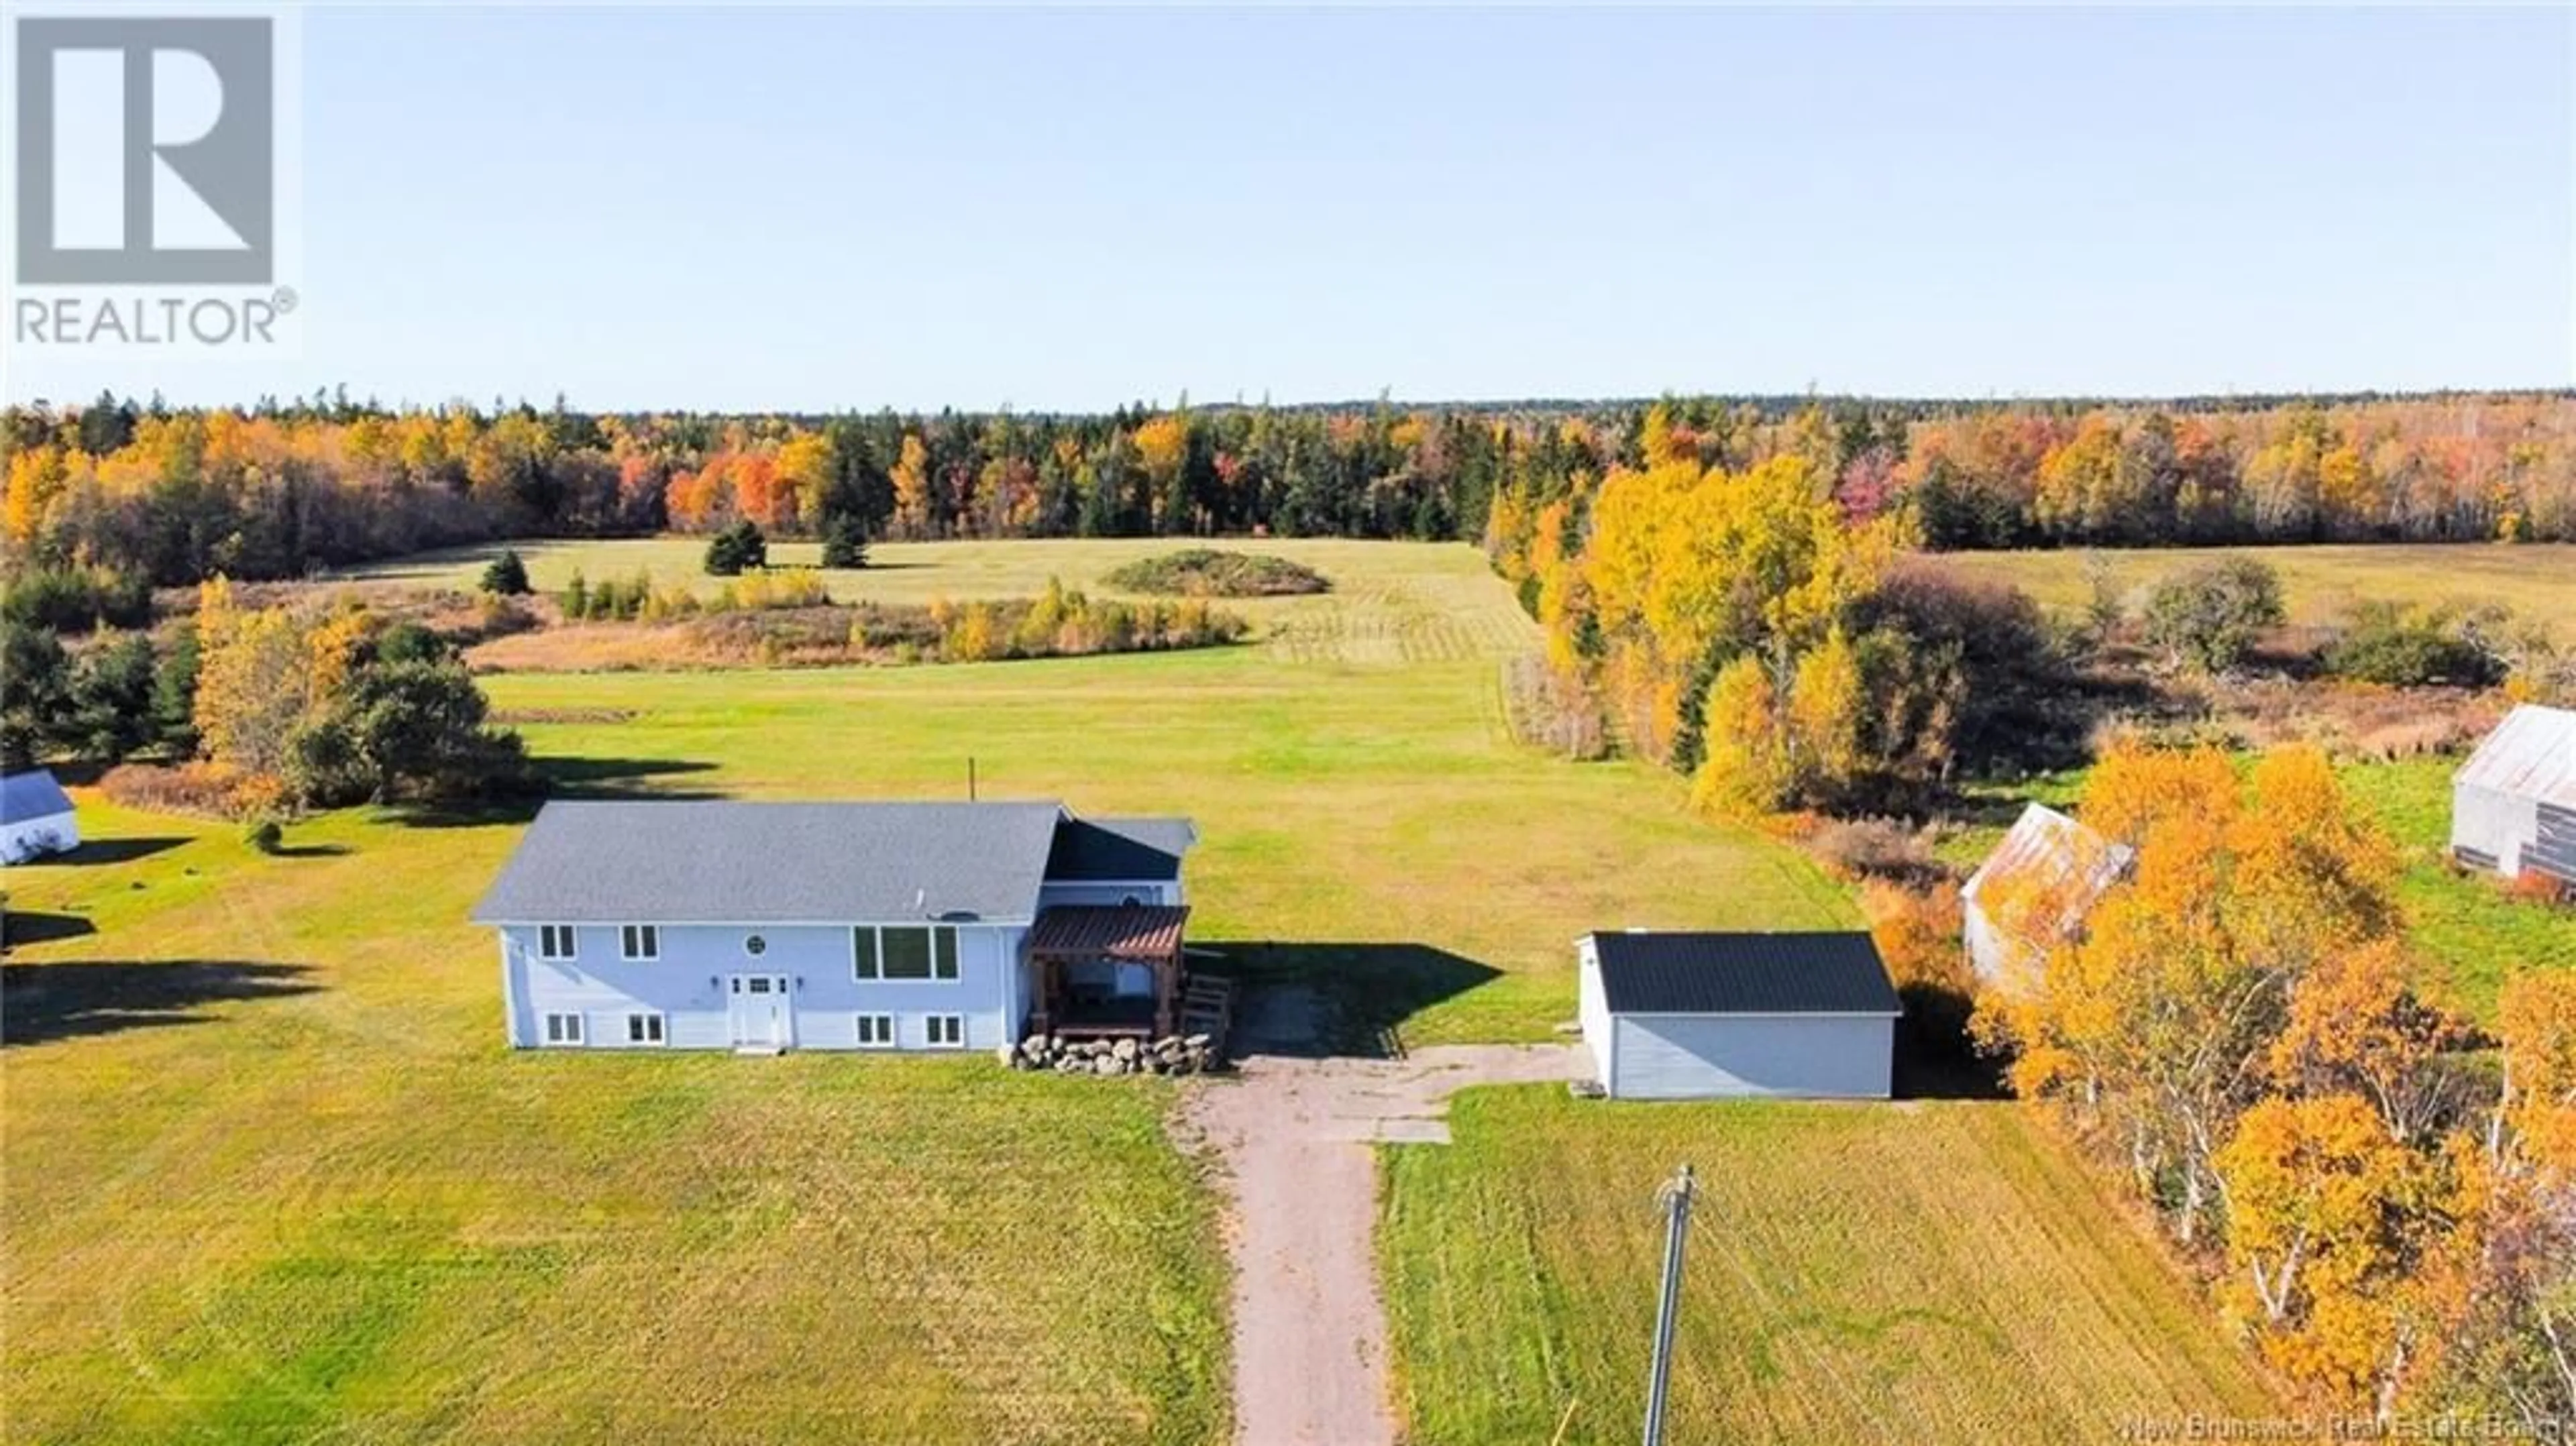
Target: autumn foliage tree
x,y
2237,1025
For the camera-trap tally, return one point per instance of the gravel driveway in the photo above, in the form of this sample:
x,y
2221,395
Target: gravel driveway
x,y
1296,1137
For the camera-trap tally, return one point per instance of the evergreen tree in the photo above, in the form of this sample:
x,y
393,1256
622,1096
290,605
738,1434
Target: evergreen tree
x,y
736,549
845,543
507,576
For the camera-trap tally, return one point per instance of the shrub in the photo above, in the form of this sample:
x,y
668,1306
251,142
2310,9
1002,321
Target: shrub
x,y
265,834
737,549
76,599
191,788
845,543
2209,615
1876,849
1208,572
507,576
409,642
2403,647
576,597
762,591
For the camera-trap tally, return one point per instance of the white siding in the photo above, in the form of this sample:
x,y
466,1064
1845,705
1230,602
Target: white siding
x,y
1667,1057
33,838
2494,824
1594,1011
687,985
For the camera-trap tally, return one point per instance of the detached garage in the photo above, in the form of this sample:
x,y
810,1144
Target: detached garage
x,y
1708,1016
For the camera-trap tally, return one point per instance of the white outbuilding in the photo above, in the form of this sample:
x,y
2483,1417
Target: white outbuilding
x,y
2032,894
35,817
1712,1016
2513,804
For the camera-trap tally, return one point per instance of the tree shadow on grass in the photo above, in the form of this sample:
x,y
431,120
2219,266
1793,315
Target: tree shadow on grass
x,y
40,1003
1310,1000
568,776
117,850
1936,1059
24,926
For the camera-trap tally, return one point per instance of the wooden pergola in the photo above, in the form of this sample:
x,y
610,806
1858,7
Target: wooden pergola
x,y
1146,934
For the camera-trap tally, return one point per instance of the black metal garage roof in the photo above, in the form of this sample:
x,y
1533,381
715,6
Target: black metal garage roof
x,y
1806,973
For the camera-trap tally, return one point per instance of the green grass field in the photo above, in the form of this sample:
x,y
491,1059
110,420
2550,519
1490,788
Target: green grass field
x,y
1391,602
274,1177
1920,1273
2322,583
2463,923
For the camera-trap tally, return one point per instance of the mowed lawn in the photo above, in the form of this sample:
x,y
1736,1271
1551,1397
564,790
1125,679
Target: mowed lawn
x,y
2321,584
1916,1273
272,1175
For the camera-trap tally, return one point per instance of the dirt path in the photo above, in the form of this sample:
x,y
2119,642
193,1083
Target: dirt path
x,y
1295,1134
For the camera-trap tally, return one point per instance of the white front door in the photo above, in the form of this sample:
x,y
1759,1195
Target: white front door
x,y
756,1006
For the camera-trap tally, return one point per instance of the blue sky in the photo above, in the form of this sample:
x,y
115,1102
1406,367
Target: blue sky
x,y
816,209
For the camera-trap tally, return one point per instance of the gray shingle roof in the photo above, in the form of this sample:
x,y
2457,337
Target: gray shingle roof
x,y
680,862
1808,973
32,794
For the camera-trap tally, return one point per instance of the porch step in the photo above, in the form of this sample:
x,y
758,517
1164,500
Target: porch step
x,y
1207,1007
763,1051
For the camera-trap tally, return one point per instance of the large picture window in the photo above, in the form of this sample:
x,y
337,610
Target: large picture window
x,y
904,952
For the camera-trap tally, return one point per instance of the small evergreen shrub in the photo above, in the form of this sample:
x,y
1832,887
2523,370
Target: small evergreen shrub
x,y
507,576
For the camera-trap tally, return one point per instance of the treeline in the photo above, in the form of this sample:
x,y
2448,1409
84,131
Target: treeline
x,y
176,495
260,711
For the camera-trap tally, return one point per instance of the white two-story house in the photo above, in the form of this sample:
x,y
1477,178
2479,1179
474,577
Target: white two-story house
x,y
901,926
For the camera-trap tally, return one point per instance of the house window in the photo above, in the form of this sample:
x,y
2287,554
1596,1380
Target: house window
x,y
563,1029
947,1031
876,1031
643,1029
640,941
863,952
555,941
912,952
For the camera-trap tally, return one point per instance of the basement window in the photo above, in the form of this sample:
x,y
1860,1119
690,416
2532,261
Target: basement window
x,y
947,1031
876,1031
643,1029
563,1029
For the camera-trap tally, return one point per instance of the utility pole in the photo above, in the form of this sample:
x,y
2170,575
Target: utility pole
x,y
1676,1200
